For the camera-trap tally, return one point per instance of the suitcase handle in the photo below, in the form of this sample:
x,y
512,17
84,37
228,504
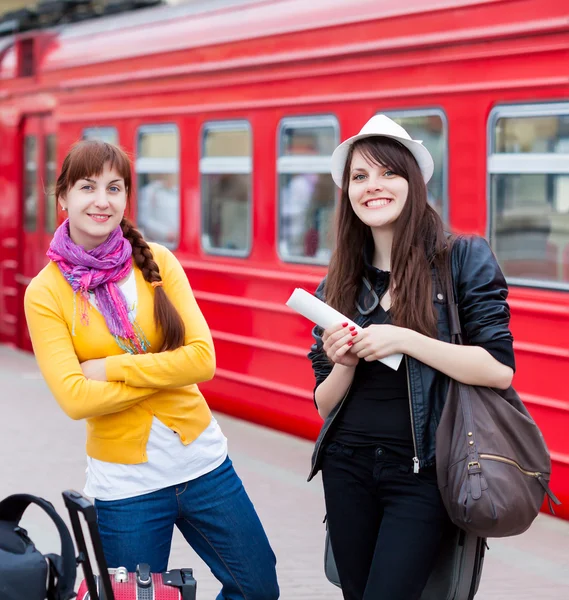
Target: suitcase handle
x,y
143,576
76,503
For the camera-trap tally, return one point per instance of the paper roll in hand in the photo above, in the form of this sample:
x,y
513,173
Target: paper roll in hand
x,y
320,313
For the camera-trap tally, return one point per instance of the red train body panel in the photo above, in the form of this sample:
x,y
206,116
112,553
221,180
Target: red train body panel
x,y
473,62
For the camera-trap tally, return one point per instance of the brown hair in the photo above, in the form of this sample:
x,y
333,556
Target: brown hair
x,y
88,158
419,243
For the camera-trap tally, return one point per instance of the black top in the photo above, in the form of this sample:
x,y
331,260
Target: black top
x,y
484,316
376,411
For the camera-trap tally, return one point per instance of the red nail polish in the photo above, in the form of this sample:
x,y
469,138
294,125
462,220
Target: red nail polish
x,y
350,343
344,324
354,333
352,328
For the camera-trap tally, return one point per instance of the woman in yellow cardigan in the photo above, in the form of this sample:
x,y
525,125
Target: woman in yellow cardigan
x,y
122,343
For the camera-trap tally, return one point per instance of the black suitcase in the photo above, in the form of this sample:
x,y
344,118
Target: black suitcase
x,y
178,584
457,572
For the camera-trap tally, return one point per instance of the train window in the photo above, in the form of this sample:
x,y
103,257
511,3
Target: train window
x,y
307,194
531,135
105,134
30,182
49,183
225,168
528,167
158,171
430,126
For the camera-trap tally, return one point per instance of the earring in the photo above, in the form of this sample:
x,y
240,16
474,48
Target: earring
x,y
64,209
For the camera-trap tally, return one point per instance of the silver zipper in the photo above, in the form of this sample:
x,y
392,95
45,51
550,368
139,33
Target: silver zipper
x,y
509,461
416,457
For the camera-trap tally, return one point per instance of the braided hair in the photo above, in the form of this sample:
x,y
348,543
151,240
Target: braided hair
x,y
165,314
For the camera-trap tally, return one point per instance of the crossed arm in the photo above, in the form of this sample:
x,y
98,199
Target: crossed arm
x,y
115,383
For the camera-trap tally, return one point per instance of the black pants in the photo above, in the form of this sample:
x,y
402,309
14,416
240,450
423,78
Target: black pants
x,y
385,522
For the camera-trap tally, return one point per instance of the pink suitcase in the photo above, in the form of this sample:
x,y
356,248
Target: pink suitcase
x,y
119,584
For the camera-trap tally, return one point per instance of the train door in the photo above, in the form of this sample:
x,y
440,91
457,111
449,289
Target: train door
x,y
38,212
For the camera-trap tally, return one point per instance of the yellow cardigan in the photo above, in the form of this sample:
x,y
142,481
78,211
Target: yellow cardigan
x,y
119,411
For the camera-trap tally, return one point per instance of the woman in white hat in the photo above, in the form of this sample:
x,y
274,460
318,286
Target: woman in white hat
x,y
376,448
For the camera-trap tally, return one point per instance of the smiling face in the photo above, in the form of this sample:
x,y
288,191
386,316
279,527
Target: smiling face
x,y
95,206
94,187
376,193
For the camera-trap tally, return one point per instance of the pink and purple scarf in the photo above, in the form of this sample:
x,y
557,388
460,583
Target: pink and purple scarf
x,y
98,271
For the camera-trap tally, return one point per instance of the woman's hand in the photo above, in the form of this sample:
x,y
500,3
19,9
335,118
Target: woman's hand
x,y
378,341
94,369
338,340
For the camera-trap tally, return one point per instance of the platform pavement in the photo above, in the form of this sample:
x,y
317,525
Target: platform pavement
x,y
43,452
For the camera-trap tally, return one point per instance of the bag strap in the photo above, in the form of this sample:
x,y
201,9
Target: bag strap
x,y
55,564
12,509
456,338
453,316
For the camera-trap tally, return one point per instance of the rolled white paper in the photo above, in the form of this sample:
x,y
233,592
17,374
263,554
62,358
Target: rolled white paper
x,y
323,315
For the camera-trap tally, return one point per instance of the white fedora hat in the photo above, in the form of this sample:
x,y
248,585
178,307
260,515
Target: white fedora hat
x,y
382,125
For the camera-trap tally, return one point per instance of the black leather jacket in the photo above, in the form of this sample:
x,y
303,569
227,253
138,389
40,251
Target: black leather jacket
x,y
481,293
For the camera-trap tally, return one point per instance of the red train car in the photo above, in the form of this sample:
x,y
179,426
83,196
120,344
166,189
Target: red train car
x,y
231,109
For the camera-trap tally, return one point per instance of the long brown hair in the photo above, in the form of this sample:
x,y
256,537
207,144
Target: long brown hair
x,y
88,158
419,243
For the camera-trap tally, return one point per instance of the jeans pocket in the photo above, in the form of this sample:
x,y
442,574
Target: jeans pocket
x,y
331,449
338,450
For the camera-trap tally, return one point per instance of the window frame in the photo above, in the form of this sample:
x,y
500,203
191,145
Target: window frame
x,y
163,164
50,208
226,165
427,112
99,129
31,160
297,165
159,165
511,163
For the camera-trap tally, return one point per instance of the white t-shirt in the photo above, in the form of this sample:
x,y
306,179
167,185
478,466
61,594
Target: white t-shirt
x,y
170,462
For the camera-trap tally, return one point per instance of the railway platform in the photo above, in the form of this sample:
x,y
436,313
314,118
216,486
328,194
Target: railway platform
x,y
43,453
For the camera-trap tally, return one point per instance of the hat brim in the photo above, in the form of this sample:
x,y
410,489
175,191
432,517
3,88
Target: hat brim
x,y
420,153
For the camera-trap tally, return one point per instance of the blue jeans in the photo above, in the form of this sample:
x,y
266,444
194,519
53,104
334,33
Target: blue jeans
x,y
216,517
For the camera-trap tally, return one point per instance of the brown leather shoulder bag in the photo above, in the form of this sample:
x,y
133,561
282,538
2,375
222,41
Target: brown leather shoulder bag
x,y
493,466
